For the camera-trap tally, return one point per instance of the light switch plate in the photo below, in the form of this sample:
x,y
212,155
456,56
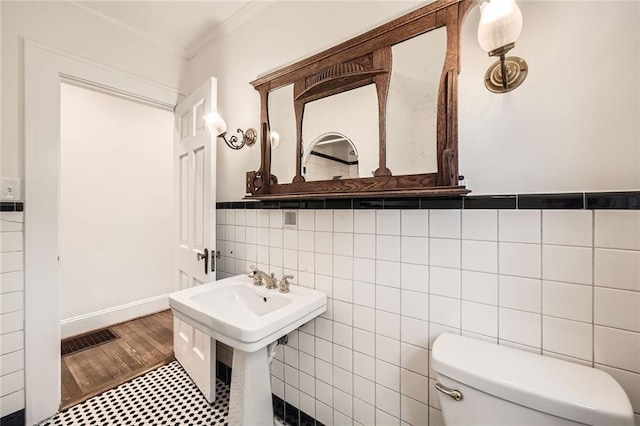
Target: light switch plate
x,y
10,189
290,219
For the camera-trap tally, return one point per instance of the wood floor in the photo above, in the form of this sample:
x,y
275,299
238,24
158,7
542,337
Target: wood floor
x,y
145,343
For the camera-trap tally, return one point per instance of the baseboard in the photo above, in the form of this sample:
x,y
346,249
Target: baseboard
x,y
286,414
106,317
13,419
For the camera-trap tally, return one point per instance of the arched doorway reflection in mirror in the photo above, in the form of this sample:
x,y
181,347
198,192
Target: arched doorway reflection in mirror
x,y
331,156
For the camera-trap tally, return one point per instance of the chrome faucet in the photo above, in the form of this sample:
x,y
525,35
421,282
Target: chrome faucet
x,y
258,276
284,283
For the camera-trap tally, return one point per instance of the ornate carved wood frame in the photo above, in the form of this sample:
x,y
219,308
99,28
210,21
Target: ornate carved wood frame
x,y
363,60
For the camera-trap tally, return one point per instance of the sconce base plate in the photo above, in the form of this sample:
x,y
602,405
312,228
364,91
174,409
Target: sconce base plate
x,y
517,70
250,136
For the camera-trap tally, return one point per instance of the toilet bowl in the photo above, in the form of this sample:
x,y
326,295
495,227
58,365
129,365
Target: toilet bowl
x,y
481,383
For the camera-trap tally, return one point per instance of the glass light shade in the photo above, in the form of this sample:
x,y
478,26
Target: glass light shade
x,y
500,24
215,123
275,139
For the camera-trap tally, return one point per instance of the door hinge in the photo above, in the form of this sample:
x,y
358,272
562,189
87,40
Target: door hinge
x,y
215,254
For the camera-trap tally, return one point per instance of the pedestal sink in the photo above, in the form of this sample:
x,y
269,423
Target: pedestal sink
x,y
247,318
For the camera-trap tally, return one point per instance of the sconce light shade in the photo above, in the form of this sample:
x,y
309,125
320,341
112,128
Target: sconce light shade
x,y
274,139
215,123
218,127
499,28
500,24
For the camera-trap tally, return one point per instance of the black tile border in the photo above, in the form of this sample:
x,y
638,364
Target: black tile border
x,y
621,200
291,415
223,372
441,203
312,204
11,206
339,204
13,419
307,420
613,200
573,201
490,202
281,409
401,203
278,407
371,203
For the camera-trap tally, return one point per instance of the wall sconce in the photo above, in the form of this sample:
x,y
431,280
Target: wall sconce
x,y
218,127
499,28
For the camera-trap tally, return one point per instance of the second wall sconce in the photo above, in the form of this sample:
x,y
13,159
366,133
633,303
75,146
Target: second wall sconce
x,y
274,139
499,28
218,127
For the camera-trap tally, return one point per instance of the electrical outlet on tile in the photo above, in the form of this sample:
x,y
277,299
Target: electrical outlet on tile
x,y
10,189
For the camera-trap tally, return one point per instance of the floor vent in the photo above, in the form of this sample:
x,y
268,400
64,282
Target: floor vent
x,y
86,341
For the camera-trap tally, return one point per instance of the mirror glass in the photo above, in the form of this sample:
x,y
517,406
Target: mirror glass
x,y
353,113
331,156
282,119
412,103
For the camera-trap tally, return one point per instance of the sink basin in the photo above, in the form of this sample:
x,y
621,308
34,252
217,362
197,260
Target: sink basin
x,y
244,316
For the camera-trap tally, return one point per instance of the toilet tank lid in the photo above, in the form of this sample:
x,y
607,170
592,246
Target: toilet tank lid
x,y
563,389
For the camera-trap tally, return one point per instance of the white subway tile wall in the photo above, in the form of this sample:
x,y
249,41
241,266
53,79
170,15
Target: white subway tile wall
x,y
11,313
559,282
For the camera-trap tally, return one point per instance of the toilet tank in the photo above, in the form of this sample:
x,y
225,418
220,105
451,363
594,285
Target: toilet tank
x,y
506,386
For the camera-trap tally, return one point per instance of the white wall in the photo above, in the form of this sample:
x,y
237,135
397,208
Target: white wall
x,y
573,124
116,209
283,33
67,27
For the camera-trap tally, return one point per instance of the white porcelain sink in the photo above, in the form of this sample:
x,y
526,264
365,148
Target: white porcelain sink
x,y
244,316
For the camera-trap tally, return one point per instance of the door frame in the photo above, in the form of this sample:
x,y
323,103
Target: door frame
x,y
45,68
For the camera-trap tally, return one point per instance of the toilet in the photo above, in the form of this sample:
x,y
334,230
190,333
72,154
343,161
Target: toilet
x,y
481,383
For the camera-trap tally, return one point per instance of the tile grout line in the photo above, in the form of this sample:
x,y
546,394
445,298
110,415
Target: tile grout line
x,y
498,276
461,267
593,289
400,324
541,279
429,304
375,325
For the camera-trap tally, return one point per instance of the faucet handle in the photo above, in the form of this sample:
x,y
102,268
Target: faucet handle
x,y
253,272
257,279
284,283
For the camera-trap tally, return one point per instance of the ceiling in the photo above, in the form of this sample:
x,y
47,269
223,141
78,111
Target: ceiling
x,y
185,27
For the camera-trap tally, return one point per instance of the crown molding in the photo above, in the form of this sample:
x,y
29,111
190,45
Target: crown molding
x,y
128,28
245,13
248,11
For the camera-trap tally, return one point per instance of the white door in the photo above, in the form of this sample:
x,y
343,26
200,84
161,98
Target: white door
x,y
195,159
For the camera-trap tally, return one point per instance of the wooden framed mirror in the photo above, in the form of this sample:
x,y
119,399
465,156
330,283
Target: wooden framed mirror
x,y
385,102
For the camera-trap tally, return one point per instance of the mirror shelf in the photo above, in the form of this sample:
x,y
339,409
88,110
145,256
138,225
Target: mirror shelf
x,y
425,192
362,61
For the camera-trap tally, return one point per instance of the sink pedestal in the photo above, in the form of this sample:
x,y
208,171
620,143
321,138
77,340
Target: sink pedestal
x,y
250,403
